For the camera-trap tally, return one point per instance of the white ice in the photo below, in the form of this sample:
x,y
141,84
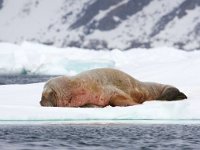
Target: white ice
x,y
20,103
38,59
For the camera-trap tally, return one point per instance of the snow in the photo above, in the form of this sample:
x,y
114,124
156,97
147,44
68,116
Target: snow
x,y
20,103
175,32
137,26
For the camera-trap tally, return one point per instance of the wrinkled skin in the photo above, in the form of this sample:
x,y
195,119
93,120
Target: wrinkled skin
x,y
103,87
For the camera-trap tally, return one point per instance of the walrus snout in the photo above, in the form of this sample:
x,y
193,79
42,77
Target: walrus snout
x,y
48,98
45,102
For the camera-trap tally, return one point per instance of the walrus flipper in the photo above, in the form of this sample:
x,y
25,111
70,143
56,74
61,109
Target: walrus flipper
x,y
119,98
171,94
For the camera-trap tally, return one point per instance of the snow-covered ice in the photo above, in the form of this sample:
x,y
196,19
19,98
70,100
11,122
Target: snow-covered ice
x,y
38,59
19,103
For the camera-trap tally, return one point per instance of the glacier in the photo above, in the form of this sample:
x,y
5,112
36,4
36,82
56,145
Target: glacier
x,y
20,103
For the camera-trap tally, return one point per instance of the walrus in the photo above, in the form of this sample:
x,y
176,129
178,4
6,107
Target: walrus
x,y
103,87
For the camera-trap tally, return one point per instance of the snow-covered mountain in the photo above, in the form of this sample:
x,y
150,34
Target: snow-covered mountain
x,y
102,24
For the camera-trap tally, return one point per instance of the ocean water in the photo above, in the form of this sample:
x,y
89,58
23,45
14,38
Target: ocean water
x,y
23,79
100,136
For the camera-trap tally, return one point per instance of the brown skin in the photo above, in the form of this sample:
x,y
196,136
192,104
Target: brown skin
x,y
103,87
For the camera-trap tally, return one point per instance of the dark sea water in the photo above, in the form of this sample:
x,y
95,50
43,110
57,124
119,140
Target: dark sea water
x,y
23,79
94,136
110,136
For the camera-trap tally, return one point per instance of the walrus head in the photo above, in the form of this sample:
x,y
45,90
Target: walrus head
x,y
56,92
48,97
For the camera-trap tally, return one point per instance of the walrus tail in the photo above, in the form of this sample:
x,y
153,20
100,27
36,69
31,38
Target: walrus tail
x,y
171,94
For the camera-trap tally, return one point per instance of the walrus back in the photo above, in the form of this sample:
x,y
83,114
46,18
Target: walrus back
x,y
108,76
